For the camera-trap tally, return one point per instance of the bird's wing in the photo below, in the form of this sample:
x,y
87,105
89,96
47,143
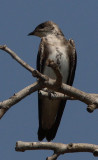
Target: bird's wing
x,y
42,56
41,59
42,102
73,61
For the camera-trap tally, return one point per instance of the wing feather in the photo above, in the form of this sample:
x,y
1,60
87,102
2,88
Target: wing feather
x,y
41,59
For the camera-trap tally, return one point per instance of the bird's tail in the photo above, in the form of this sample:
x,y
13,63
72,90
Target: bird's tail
x,y
50,134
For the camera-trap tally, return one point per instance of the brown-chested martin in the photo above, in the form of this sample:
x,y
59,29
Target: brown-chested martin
x,y
56,47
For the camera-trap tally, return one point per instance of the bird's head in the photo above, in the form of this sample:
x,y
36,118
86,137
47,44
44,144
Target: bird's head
x,y
46,28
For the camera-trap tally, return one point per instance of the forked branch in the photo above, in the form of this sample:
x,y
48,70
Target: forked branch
x,y
60,89
58,148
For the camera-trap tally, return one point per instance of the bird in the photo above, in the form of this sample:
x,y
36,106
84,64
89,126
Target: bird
x,y
56,47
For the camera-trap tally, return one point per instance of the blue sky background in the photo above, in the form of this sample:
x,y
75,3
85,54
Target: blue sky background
x,y
78,20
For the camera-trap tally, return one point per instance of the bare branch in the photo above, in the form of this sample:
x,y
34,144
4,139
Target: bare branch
x,y
58,148
45,82
54,66
89,99
7,104
59,90
91,108
17,58
53,157
34,72
55,95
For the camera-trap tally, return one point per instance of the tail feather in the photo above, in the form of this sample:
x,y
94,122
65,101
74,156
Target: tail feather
x,y
41,134
51,133
45,133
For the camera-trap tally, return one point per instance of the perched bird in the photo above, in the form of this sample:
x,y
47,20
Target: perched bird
x,y
56,47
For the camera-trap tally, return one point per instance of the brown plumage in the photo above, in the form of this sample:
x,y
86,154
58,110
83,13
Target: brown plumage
x,y
53,46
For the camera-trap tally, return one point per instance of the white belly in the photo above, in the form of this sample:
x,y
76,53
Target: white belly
x,y
59,57
50,107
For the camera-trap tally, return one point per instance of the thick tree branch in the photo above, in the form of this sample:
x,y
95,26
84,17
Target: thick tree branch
x,y
58,148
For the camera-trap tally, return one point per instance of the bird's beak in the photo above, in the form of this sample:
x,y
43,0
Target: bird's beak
x,y
34,33
31,33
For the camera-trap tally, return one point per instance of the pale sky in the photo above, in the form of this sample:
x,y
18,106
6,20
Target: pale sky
x,y
78,20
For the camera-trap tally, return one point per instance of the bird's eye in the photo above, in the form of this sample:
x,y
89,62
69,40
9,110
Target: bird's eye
x,y
41,26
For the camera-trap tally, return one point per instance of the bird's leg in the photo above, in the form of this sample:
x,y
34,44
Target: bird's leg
x,y
50,92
